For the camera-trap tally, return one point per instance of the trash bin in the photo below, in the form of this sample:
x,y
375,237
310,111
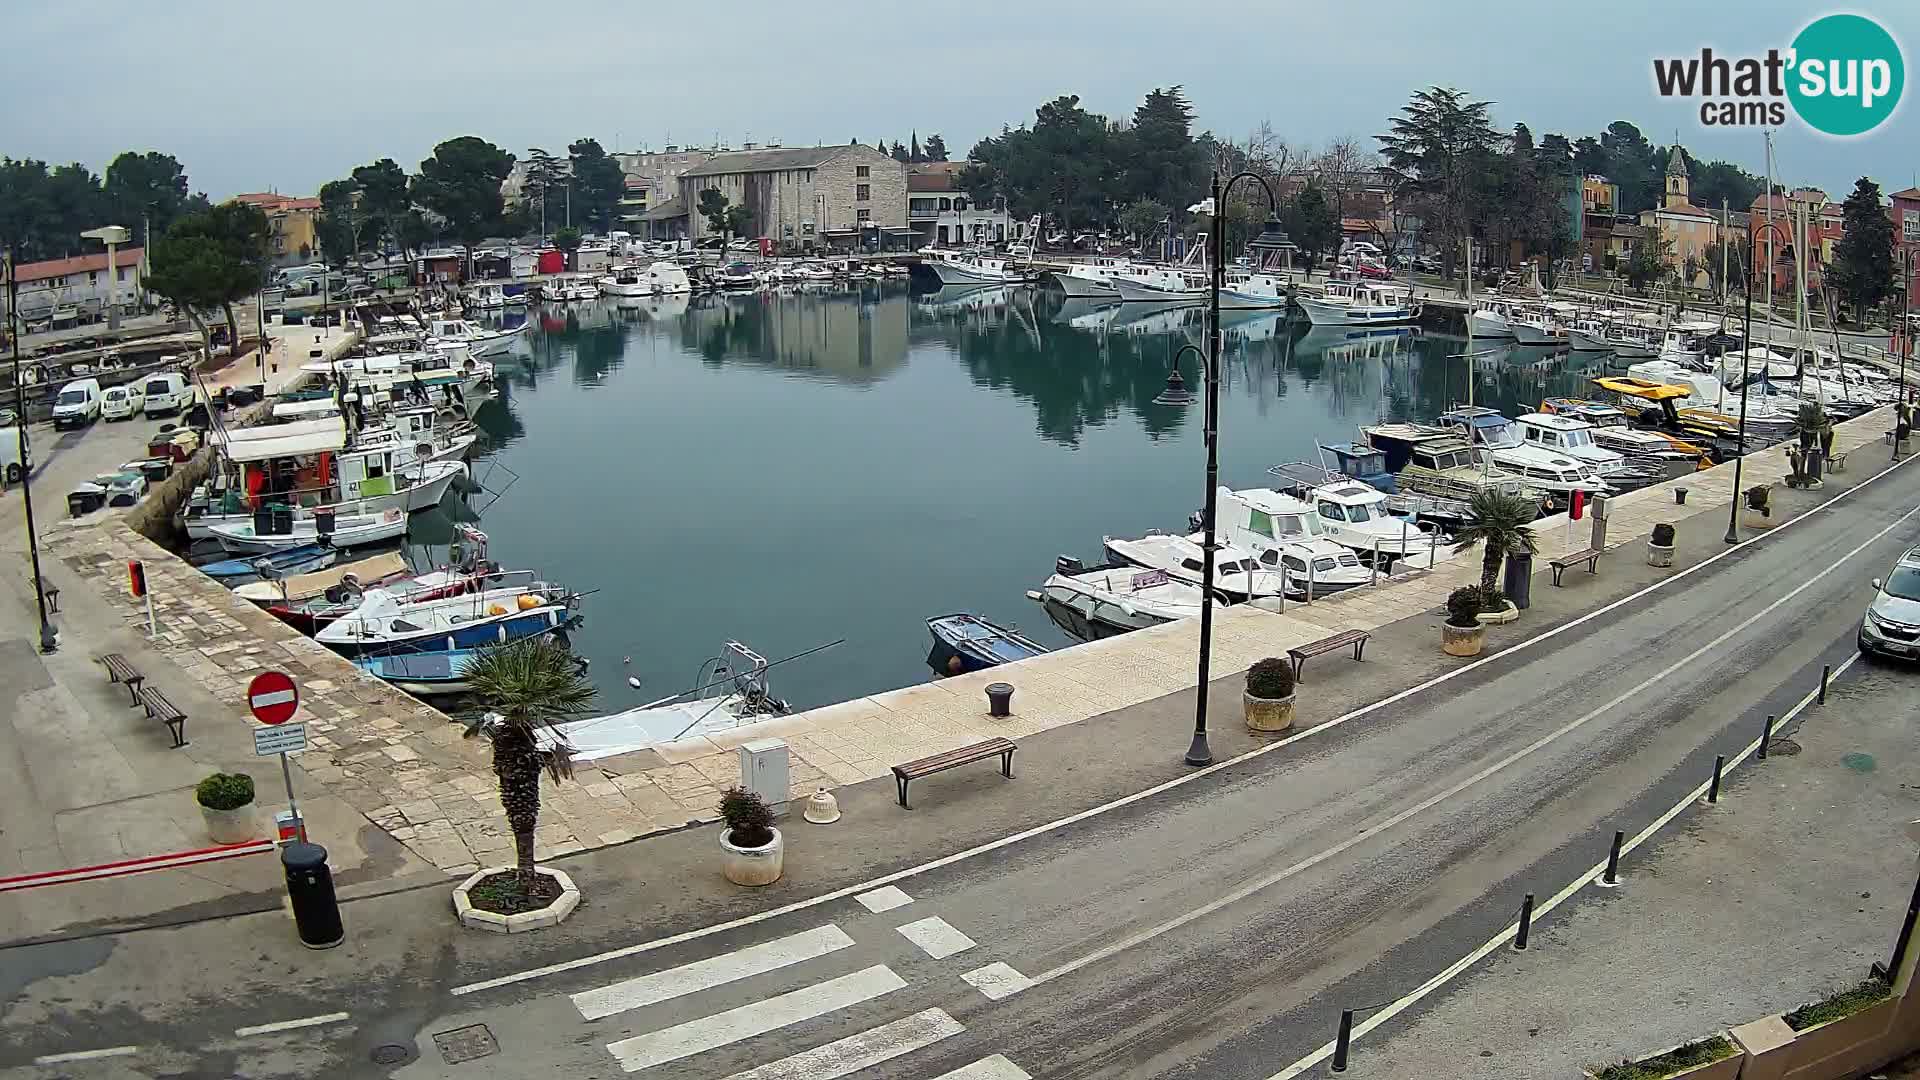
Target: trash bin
x,y
1518,583
316,913
282,518
323,521
157,469
85,499
999,699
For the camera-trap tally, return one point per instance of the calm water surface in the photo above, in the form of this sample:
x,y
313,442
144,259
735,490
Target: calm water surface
x,y
790,469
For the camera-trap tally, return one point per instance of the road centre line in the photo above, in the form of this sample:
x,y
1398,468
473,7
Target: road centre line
x,y
1459,966
1158,789
290,1025
85,1055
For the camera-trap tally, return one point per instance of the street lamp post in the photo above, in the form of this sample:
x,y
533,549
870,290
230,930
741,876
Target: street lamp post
x,y
49,637
1740,451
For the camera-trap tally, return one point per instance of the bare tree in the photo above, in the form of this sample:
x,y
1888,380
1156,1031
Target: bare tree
x,y
1343,169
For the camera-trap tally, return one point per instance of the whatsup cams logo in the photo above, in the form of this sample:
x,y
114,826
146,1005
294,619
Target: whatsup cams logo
x,y
1842,76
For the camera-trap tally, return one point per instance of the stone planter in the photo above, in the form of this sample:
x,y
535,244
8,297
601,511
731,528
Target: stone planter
x,y
1658,555
1756,519
752,866
1498,618
236,826
1727,1068
1462,640
519,922
1268,714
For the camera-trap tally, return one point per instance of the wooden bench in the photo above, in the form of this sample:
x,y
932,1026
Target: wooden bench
x,y
1837,461
1355,638
119,671
927,766
159,708
49,590
1590,556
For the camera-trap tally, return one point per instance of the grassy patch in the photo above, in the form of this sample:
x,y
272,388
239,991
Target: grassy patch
x,y
1841,1005
1686,1056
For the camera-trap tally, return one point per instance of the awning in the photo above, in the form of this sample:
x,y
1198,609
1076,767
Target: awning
x,y
311,407
282,440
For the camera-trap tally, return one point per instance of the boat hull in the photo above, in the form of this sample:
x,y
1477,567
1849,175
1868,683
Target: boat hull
x,y
241,540
1084,288
478,634
1134,292
1321,313
1489,326
956,274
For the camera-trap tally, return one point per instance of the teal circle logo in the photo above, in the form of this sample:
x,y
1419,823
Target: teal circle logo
x,y
1847,75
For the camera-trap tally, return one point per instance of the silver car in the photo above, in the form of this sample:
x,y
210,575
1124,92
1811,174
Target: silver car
x,y
1891,626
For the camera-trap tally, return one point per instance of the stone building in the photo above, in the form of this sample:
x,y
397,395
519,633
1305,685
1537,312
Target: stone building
x,y
942,215
1686,229
841,197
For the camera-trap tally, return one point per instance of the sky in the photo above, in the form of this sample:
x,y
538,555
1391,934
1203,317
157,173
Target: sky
x,y
285,97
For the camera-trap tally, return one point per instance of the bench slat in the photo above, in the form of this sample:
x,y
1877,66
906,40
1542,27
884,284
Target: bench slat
x,y
1003,749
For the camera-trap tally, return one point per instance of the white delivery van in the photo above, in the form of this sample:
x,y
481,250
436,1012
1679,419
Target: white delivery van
x,y
13,464
120,402
77,404
165,392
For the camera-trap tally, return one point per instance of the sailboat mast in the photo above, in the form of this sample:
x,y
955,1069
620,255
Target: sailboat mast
x,y
1770,255
1469,266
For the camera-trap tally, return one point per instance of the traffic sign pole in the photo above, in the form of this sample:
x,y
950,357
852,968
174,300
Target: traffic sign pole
x,y
286,773
274,698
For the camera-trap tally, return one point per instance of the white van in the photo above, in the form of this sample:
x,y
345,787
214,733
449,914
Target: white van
x,y
166,392
78,404
13,465
121,402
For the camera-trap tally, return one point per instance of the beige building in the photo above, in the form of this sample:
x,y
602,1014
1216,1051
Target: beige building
x,y
1686,229
807,197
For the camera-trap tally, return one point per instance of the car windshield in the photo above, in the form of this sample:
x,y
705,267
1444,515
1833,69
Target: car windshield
x,y
72,397
1905,583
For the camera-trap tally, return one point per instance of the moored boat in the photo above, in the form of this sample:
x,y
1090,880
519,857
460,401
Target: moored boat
x,y
964,642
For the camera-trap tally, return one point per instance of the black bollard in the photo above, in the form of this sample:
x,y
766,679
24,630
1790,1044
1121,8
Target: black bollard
x,y
1526,924
1826,673
1612,876
1713,790
1343,1041
1766,737
316,913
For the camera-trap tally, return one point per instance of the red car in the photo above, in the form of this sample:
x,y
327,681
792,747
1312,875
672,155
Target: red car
x,y
1370,269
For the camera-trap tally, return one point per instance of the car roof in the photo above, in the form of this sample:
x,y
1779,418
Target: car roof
x,y
1912,557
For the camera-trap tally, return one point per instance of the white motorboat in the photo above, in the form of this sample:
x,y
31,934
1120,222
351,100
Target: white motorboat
x,y
972,268
1436,462
479,340
809,272
1547,470
492,296
1490,320
626,281
668,278
1613,429
581,290
730,690
386,623
736,275
1573,437
1161,285
242,538
1102,601
1285,533
1091,279
1255,292
1358,516
1359,303
1237,575
1536,324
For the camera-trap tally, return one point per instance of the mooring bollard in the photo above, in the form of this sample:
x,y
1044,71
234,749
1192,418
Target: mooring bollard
x,y
1373,578
999,699
1309,579
1826,673
1612,876
1713,789
1766,737
1679,496
1343,1041
1526,924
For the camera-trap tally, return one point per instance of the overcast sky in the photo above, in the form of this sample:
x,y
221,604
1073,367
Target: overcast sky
x,y
287,96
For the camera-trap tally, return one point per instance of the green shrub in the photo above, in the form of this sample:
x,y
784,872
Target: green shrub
x,y
1686,1056
1757,497
225,791
1464,606
1270,678
1492,599
1663,535
1839,1006
747,818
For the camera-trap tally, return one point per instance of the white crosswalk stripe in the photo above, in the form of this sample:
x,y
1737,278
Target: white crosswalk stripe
x,y
758,1018
856,1052
714,971
936,937
884,898
987,1068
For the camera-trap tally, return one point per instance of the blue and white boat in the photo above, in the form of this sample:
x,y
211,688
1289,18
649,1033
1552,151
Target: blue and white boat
x,y
422,674
386,624
963,643
271,565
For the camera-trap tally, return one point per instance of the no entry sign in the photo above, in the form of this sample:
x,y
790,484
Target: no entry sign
x,y
272,697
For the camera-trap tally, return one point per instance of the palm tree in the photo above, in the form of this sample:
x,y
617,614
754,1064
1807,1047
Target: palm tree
x,y
1500,521
526,688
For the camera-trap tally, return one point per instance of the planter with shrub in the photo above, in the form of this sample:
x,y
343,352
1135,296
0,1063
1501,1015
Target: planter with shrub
x,y
1708,1059
226,803
754,848
1756,507
1660,547
1838,1007
1495,608
1268,698
1462,634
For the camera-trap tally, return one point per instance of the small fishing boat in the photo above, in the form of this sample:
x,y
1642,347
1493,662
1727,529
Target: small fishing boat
x,y
1102,601
730,690
1237,575
305,559
387,622
963,643
343,532
422,674
301,587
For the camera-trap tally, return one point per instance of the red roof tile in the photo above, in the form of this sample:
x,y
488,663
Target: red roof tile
x,y
79,264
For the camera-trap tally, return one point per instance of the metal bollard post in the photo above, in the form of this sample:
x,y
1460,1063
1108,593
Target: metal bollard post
x,y
1343,1041
1309,579
1433,549
1826,673
1526,924
1373,578
1713,789
1612,876
1766,737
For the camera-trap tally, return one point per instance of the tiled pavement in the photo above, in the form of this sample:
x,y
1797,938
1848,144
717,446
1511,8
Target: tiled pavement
x,y
404,765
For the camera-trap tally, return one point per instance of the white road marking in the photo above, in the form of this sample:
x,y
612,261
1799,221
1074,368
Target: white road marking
x,y
1590,877
987,1068
936,937
856,1052
1182,780
757,1018
997,980
289,1025
1259,884
885,898
713,971
85,1055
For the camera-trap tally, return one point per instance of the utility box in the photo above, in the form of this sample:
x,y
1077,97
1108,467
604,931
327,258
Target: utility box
x,y
1600,511
763,771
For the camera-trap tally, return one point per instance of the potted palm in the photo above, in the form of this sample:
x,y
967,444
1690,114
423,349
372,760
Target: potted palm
x,y
1462,634
226,804
1660,546
755,849
1757,508
1268,698
1498,521
524,691
1495,608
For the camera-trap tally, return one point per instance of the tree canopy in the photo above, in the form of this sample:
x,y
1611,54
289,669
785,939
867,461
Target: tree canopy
x,y
1438,152
598,184
211,259
1863,260
460,184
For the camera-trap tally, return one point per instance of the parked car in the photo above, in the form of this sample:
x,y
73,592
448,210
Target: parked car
x,y
77,405
13,463
1367,268
121,402
165,392
1891,625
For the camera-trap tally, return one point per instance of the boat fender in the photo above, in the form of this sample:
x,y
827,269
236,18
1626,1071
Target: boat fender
x,y
496,609
529,601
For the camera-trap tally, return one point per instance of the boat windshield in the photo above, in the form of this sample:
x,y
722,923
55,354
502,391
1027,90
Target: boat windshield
x,y
1576,437
1499,434
1360,512
1904,583
1241,566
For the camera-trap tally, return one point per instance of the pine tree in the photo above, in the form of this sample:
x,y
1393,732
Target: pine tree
x,y
1863,260
913,149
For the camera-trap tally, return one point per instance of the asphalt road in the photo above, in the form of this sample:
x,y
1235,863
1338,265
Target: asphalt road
x,y
1214,930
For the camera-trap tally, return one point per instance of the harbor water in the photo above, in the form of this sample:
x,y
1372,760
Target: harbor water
x,y
791,468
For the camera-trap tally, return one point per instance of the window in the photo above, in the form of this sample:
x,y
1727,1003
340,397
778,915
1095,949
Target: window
x,y
1260,523
1331,511
959,204
862,192
1192,564
1910,226
863,215
946,204
93,277
863,170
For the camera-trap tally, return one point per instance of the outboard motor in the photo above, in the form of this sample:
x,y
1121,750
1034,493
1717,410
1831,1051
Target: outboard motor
x,y
1067,564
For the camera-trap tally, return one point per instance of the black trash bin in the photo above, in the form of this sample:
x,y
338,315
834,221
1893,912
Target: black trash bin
x,y
323,521
310,889
282,518
1518,582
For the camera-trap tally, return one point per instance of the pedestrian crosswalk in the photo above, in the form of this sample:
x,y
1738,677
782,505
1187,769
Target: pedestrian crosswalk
x,y
676,1015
